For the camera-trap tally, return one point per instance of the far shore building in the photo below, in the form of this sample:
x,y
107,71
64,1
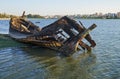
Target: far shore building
x,y
118,14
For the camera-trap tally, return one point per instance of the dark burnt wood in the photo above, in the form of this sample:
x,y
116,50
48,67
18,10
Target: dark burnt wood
x,y
64,35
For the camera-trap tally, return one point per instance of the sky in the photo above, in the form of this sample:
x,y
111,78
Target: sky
x,y
59,7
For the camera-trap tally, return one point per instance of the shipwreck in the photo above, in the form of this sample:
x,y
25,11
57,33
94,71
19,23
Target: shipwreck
x,y
64,35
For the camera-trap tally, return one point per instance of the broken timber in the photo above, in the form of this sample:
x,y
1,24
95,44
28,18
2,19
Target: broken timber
x,y
72,46
64,35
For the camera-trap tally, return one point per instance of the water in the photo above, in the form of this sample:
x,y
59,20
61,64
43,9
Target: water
x,y
20,62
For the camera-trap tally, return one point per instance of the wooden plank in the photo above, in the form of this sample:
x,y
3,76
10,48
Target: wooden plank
x,y
88,37
70,47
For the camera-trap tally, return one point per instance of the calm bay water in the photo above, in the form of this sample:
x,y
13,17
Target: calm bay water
x,y
20,62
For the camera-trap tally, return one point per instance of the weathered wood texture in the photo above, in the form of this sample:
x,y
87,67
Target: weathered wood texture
x,y
72,45
64,35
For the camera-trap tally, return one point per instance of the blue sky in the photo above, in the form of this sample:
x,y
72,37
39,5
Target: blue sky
x,y
60,7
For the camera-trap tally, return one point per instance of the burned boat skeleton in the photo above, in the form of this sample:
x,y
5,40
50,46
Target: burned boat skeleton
x,y
64,35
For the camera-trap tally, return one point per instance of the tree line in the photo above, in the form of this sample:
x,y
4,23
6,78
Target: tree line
x,y
4,15
34,16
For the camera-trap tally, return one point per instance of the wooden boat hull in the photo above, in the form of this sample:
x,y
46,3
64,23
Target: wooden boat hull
x,y
30,39
64,35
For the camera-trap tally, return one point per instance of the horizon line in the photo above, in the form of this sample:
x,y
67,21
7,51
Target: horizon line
x,y
26,13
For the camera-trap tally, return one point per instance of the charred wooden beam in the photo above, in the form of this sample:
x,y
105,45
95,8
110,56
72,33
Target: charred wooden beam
x,y
23,15
88,37
69,47
84,46
82,35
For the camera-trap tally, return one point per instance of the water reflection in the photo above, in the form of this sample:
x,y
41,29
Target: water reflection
x,y
77,66
42,63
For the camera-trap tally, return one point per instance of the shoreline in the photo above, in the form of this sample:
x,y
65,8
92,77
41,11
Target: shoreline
x,y
4,18
58,18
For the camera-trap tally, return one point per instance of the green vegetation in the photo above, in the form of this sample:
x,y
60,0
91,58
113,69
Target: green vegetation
x,y
34,16
4,15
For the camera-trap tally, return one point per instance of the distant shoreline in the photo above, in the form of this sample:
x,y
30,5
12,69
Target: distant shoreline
x,y
4,18
58,18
